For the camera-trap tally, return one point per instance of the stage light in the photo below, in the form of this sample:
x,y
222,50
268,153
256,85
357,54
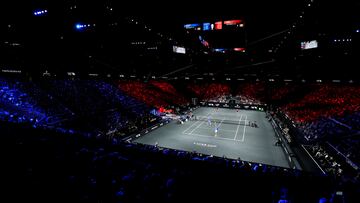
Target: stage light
x,y
78,26
40,12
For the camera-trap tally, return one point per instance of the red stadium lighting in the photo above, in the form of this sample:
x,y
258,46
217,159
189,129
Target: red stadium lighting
x,y
218,25
239,49
232,22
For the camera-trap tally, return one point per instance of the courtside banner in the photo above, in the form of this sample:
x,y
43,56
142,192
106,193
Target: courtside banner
x,y
145,131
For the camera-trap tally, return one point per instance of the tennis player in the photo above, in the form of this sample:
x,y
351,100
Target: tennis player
x,y
216,129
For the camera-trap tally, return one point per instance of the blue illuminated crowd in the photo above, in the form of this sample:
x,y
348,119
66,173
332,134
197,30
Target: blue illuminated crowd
x,y
64,143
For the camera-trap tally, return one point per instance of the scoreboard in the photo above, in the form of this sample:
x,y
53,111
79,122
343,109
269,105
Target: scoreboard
x,y
224,35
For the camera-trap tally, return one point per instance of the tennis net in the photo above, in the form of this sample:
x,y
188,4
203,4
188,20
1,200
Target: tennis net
x,y
239,121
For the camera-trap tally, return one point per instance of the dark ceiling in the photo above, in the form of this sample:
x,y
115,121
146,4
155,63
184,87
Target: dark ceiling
x,y
52,42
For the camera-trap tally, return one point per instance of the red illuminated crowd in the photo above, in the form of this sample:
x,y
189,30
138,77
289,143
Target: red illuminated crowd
x,y
326,115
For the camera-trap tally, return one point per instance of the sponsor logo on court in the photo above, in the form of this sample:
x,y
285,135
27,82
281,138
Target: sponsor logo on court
x,y
204,144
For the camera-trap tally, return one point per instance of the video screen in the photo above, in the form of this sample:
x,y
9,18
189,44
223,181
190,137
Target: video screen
x,y
180,50
309,44
206,26
218,25
194,26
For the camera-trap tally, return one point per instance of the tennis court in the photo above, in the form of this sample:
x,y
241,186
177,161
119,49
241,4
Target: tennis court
x,y
233,130
237,136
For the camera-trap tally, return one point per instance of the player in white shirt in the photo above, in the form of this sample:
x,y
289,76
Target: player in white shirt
x,y
216,129
209,121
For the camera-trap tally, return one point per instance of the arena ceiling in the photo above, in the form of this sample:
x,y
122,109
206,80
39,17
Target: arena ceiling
x,y
111,42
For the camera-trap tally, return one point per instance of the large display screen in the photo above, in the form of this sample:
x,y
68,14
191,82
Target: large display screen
x,y
309,44
232,22
239,49
218,25
219,50
180,50
206,26
195,26
218,33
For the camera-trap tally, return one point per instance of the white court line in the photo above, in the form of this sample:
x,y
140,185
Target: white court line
x,y
237,129
218,115
197,126
222,138
220,122
193,124
244,130
219,129
190,126
313,159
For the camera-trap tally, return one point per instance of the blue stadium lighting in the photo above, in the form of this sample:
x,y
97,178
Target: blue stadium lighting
x,y
40,12
80,26
191,26
206,26
220,50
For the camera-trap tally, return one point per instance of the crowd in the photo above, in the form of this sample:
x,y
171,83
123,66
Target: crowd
x,y
24,102
92,108
326,160
349,148
319,113
152,95
251,93
322,128
284,127
175,96
324,100
90,169
78,105
209,91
